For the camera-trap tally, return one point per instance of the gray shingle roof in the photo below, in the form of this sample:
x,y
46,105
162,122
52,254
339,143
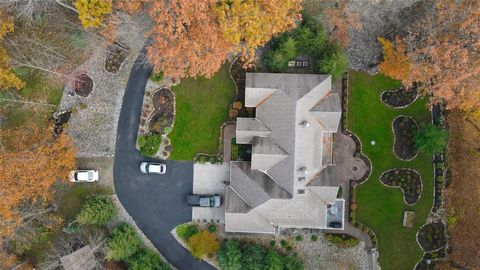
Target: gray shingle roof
x,y
293,112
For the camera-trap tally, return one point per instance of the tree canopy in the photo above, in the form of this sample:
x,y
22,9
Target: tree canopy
x,y
30,163
122,243
92,13
7,78
395,63
194,38
230,255
97,210
430,139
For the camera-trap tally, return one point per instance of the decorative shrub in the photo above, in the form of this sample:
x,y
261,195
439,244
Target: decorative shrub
x,y
237,105
342,240
186,230
299,238
234,150
149,144
273,243
314,237
212,228
232,113
430,139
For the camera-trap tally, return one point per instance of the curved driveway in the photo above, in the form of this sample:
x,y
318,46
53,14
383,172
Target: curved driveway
x,y
155,202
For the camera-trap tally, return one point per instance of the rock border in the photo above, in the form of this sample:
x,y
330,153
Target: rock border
x,y
421,183
444,234
395,137
397,90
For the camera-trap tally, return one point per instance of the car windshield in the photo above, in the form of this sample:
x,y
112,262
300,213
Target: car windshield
x,y
90,175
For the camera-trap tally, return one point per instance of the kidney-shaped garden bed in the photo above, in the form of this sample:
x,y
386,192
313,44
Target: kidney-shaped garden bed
x,y
116,55
407,179
401,97
162,120
432,236
404,128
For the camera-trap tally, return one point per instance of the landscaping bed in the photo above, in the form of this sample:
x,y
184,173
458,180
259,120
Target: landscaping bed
x,y
162,120
83,85
238,73
404,146
116,55
401,97
432,236
378,206
407,179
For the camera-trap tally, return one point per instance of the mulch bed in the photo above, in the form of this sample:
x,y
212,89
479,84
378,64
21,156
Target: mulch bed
x,y
400,97
162,119
432,236
238,73
116,54
404,128
60,120
83,85
408,180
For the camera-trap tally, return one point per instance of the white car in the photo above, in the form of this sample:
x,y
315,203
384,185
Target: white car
x,y
152,167
79,176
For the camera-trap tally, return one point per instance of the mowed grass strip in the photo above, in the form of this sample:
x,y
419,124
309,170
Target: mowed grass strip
x,y
201,107
379,207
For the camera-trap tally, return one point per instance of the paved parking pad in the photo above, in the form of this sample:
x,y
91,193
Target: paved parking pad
x,y
210,179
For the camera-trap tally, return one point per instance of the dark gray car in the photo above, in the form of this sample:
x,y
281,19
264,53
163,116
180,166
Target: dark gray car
x,y
214,200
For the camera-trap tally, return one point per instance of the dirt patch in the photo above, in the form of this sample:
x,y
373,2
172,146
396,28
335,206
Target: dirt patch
x,y
407,179
401,97
432,236
163,117
116,54
83,85
404,127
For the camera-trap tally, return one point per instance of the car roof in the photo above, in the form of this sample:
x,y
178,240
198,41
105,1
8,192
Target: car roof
x,y
83,175
155,167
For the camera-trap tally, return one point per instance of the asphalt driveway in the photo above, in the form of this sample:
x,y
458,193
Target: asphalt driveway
x,y
155,202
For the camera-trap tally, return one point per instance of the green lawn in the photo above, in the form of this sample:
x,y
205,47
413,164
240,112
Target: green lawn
x,y
201,108
380,207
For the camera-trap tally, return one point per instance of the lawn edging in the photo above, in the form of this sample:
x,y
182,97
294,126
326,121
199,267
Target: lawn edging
x,y
398,168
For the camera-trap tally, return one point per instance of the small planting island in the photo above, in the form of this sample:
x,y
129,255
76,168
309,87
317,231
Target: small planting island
x,y
116,54
404,146
432,236
83,85
401,97
162,119
407,179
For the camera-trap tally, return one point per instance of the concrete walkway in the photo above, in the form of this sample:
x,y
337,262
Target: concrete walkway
x,y
228,135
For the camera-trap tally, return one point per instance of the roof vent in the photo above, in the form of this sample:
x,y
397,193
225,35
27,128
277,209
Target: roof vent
x,y
303,170
305,124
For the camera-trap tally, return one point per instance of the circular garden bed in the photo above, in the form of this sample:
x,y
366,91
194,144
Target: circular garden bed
x,y
83,85
401,97
163,116
407,179
116,54
404,146
432,236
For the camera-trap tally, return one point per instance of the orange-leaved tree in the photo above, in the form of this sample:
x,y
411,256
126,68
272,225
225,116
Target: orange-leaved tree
x,y
30,163
395,63
249,24
443,49
203,243
194,38
7,78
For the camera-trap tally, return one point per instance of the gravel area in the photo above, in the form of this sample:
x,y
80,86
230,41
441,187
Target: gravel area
x,y
379,18
316,255
93,125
